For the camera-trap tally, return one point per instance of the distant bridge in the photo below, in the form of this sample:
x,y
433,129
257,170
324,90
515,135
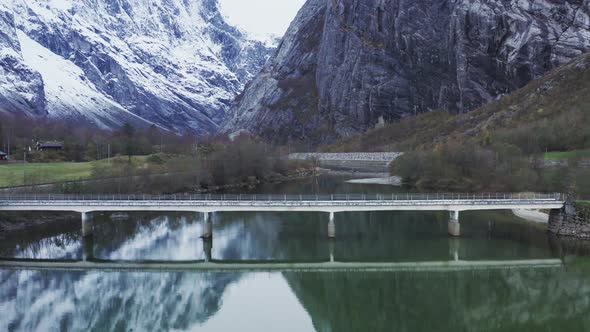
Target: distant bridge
x,y
455,203
357,161
220,266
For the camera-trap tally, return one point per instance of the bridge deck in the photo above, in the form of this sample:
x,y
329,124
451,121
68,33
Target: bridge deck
x,y
113,266
325,203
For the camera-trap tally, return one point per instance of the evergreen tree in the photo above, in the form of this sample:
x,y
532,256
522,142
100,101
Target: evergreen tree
x,y
128,134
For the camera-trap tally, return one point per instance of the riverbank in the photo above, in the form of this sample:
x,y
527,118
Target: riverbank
x,y
386,180
12,223
115,183
253,183
573,220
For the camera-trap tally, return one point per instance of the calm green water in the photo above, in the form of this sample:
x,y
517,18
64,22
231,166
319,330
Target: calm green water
x,y
501,300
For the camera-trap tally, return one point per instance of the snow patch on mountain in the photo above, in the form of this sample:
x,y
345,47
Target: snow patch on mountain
x,y
68,92
175,63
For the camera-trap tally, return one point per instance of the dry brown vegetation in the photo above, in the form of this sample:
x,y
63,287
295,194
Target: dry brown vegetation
x,y
495,146
551,113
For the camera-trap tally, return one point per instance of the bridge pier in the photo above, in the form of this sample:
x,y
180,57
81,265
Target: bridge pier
x,y
87,228
207,226
454,226
331,227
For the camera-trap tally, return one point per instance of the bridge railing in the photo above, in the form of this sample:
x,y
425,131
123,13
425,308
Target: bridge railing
x,y
290,197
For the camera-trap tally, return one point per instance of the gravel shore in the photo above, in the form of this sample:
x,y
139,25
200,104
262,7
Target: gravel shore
x,y
532,215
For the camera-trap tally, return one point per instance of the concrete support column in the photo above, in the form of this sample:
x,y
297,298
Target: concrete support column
x,y
207,226
331,227
87,228
454,226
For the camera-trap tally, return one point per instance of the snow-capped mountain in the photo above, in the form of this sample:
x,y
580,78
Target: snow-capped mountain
x,y
173,63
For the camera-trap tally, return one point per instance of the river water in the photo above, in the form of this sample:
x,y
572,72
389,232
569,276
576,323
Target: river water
x,y
548,299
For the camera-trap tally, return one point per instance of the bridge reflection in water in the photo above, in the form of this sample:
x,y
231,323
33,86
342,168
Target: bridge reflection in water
x,y
539,297
210,264
221,266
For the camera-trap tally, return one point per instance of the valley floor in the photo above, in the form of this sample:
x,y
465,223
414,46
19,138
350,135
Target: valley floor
x,y
20,174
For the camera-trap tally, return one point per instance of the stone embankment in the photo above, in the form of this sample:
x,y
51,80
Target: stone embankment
x,y
572,220
356,156
360,161
550,163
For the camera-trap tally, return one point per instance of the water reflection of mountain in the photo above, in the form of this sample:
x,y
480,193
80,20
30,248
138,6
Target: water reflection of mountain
x,y
461,301
508,300
46,301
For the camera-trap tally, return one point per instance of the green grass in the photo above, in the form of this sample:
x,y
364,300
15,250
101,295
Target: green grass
x,y
36,173
20,174
567,154
585,204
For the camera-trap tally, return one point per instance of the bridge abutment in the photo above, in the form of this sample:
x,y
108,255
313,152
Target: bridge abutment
x,y
571,220
87,224
207,226
331,227
454,227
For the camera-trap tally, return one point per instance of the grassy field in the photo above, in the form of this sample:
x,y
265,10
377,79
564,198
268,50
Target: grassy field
x,y
35,173
567,154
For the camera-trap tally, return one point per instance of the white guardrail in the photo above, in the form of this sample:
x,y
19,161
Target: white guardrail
x,y
8,199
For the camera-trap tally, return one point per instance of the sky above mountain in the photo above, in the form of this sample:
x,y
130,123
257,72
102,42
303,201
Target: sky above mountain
x,y
261,18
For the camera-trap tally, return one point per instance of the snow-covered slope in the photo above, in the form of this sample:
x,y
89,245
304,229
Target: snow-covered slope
x,y
175,63
21,88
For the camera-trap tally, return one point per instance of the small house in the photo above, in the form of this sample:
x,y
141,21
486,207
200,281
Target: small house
x,y
3,156
50,146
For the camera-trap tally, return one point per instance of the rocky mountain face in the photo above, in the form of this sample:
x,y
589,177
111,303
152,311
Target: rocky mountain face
x,y
21,87
173,63
346,65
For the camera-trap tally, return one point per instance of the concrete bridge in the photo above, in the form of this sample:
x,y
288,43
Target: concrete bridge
x,y
330,204
359,161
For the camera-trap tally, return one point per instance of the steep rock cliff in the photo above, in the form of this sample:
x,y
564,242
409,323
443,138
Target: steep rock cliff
x,y
345,65
21,88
